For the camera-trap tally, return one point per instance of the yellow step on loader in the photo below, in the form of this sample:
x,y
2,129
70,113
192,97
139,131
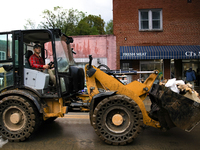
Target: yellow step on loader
x,y
29,97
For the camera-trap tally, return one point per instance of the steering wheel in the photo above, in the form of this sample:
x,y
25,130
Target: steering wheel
x,y
51,65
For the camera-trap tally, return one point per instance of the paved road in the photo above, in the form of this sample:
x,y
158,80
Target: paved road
x,y
74,132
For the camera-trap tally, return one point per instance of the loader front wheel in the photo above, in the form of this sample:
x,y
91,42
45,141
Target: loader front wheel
x,y
117,120
18,118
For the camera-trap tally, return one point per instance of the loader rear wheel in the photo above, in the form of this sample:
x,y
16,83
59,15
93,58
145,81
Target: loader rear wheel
x,y
117,120
18,118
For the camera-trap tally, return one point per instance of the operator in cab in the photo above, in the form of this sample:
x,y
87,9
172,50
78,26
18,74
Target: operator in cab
x,y
37,62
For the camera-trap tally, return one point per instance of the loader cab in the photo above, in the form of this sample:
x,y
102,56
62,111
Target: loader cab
x,y
15,71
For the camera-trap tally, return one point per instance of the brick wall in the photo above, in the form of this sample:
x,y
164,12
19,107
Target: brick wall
x,y
136,64
181,23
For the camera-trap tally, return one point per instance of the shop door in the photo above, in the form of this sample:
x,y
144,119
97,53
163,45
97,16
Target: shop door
x,y
195,64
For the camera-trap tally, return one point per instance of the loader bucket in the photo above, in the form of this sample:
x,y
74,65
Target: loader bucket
x,y
173,109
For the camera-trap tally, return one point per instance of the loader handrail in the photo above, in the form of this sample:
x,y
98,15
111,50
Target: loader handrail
x,y
131,72
90,61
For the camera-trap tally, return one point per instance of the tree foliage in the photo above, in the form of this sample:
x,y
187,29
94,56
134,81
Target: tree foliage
x,y
109,27
29,24
66,20
71,22
91,25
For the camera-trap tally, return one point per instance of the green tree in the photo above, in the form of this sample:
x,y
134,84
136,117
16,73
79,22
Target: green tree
x,y
66,20
71,22
91,25
109,27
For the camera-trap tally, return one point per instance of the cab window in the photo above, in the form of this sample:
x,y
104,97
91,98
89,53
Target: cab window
x,y
5,46
6,74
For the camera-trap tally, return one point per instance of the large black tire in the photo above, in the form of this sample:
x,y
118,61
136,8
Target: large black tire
x,y
19,118
117,120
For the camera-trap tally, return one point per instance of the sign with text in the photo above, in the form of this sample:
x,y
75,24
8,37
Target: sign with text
x,y
160,52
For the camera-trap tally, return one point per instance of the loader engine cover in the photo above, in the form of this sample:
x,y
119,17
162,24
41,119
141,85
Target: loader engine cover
x,y
77,76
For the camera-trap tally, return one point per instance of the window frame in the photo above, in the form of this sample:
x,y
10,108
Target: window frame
x,y
150,19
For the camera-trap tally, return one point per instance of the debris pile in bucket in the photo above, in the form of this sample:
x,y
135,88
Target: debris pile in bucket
x,y
180,87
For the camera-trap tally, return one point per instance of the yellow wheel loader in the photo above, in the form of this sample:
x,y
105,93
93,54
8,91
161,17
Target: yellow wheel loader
x,y
117,111
29,96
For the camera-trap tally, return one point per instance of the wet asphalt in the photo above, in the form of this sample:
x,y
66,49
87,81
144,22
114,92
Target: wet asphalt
x,y
74,132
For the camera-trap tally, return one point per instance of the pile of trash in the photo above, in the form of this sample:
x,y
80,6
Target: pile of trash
x,y
179,86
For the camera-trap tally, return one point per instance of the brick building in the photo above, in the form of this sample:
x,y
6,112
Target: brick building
x,y
157,34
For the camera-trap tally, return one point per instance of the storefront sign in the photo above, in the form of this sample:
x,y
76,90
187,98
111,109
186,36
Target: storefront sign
x,y
134,54
160,52
190,53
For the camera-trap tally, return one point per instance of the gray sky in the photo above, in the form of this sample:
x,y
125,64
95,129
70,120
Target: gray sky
x,y
14,13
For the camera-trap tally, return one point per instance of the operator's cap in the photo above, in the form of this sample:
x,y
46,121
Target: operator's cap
x,y
36,46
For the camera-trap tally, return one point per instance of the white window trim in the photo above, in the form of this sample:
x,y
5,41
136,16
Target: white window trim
x,y
150,20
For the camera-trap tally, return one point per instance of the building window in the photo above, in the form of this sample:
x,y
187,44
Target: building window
x,y
125,66
2,55
150,20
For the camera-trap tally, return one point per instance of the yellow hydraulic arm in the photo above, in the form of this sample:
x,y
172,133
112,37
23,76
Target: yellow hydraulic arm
x,y
98,80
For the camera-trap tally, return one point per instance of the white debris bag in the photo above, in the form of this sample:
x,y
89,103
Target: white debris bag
x,y
171,83
179,82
